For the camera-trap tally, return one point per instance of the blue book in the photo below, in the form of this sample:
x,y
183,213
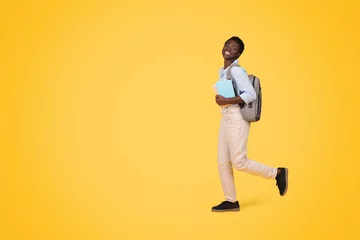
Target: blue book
x,y
225,88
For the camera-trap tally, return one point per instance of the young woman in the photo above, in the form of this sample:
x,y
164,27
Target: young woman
x,y
234,130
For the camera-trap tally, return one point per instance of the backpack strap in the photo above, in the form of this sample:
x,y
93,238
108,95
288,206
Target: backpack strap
x,y
229,77
228,74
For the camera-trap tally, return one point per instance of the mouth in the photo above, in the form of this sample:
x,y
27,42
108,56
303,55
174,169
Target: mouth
x,y
227,53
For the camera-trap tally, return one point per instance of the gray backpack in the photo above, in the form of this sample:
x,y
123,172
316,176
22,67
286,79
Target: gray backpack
x,y
251,112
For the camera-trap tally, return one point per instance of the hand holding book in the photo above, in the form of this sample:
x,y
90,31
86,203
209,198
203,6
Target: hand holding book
x,y
223,89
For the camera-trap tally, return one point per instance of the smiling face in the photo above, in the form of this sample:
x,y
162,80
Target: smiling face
x,y
231,50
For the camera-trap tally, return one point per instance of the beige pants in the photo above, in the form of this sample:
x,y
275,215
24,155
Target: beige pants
x,y
232,151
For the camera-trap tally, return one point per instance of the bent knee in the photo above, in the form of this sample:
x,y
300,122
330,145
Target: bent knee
x,y
241,162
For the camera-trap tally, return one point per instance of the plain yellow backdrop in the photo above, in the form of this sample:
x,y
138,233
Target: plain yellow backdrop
x,y
109,125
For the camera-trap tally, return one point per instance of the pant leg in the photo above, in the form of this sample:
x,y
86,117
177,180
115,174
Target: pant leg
x,y
224,164
238,131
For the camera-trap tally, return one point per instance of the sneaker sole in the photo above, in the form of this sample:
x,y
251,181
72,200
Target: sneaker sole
x,y
227,210
287,181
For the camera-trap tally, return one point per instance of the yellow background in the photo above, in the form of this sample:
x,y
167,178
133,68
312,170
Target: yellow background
x,y
109,125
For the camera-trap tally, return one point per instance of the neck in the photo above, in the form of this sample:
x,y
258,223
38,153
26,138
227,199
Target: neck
x,y
227,63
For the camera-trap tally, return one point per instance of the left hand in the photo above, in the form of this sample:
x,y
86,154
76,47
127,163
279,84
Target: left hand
x,y
220,100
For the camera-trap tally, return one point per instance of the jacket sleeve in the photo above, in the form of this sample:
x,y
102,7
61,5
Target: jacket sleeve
x,y
244,85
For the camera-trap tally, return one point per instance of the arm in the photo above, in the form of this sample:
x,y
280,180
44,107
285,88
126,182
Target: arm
x,y
220,100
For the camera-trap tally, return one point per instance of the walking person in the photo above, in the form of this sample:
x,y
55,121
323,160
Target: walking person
x,y
234,131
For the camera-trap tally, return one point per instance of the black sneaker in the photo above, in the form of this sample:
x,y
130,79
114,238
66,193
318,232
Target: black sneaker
x,y
227,206
282,181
